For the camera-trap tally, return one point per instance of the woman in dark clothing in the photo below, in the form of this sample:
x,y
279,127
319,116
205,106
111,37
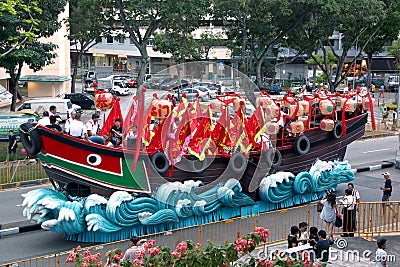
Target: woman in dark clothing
x,y
292,238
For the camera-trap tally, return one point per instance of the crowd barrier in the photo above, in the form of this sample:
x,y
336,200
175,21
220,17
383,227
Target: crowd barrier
x,y
21,172
372,220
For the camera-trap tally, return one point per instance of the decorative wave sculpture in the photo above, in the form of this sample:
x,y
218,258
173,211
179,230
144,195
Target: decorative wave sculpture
x,y
174,205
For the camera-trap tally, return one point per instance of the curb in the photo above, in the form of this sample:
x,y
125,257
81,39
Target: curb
x,y
21,229
383,165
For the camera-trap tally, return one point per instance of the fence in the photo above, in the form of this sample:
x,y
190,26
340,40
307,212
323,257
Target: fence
x,y
20,172
373,219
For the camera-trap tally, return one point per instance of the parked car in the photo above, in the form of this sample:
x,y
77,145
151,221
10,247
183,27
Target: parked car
x,y
296,86
192,92
86,101
210,86
211,93
272,89
174,84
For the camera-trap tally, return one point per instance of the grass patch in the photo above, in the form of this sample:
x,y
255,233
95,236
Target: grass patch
x,y
4,148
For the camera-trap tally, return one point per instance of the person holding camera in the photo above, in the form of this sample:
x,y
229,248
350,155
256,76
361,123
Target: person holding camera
x,y
328,213
135,246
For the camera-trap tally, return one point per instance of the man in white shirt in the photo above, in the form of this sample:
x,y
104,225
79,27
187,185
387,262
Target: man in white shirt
x,y
45,120
92,125
68,122
77,128
356,197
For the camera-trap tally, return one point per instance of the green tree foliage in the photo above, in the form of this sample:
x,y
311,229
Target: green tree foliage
x,y
86,28
356,25
21,31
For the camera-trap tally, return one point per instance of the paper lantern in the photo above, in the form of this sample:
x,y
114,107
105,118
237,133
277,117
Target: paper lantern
x,y
272,111
215,105
292,110
303,119
326,107
350,105
272,128
104,101
289,100
263,101
327,125
366,102
305,105
297,127
236,103
161,108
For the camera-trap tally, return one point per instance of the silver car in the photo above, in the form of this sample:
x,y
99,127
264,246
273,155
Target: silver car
x,y
192,92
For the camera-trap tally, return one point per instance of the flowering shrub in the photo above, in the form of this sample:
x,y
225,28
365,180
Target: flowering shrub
x,y
85,259
188,254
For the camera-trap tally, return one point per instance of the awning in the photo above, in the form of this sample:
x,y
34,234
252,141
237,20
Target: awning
x,y
44,78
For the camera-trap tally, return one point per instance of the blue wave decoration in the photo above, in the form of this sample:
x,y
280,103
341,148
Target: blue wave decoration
x,y
175,205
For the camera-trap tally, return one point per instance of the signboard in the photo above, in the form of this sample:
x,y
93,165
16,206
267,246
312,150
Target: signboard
x,y
12,122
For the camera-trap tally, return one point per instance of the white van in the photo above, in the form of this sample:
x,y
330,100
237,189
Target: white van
x,y
64,106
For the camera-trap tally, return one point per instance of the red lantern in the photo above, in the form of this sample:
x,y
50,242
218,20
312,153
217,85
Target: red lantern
x,y
104,101
161,108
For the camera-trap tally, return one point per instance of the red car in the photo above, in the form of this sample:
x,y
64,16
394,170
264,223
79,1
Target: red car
x,y
131,83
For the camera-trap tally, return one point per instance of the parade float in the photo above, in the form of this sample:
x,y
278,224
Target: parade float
x,y
193,163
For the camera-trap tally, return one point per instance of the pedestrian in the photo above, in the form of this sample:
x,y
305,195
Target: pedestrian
x,y
136,245
12,145
387,192
348,206
381,254
101,140
328,213
303,239
293,237
356,196
381,91
322,247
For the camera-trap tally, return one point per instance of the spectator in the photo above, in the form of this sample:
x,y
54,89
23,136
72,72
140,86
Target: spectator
x,y
303,233
12,145
293,236
77,128
45,120
53,124
135,247
322,247
381,254
348,206
116,134
92,125
356,196
68,122
387,191
328,213
313,238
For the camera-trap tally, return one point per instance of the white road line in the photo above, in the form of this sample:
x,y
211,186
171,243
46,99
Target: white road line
x,y
376,150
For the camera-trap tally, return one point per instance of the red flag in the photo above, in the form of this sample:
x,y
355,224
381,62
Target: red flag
x,y
130,118
220,134
202,137
140,124
254,126
115,113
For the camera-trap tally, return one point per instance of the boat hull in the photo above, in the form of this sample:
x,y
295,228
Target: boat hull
x,y
84,168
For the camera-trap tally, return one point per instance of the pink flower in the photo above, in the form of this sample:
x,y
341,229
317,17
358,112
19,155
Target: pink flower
x,y
137,262
100,263
140,255
86,253
176,254
181,247
117,257
154,251
238,248
85,265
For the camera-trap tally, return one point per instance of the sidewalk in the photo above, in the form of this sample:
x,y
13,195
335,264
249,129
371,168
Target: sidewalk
x,y
351,251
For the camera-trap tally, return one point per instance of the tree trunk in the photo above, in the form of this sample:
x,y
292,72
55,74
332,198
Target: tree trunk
x,y
369,65
14,78
74,73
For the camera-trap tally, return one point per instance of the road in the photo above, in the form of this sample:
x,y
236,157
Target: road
x,y
43,243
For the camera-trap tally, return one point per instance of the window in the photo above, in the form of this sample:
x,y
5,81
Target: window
x,y
110,40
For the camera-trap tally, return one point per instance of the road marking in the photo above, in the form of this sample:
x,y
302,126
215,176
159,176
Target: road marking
x,y
376,150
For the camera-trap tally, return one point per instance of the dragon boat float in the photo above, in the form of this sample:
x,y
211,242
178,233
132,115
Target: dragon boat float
x,y
193,163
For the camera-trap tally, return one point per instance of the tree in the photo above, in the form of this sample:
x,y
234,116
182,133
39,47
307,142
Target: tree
x,y
86,29
350,22
43,15
389,30
141,20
